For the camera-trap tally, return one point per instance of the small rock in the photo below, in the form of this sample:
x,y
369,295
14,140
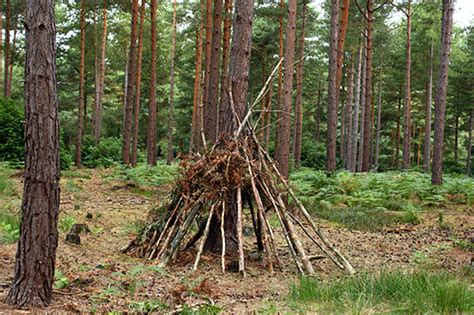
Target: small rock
x,y
79,228
247,231
73,238
89,215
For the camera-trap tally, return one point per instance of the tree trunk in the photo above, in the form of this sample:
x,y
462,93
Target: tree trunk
x,y
469,145
268,118
355,115
132,64
456,138
237,83
207,67
368,89
379,119
350,110
360,149
429,93
279,105
440,98
100,96
12,59
170,156
6,68
397,145
284,134
298,131
80,113
36,251
136,114
342,132
213,97
226,46
332,90
318,113
196,125
407,109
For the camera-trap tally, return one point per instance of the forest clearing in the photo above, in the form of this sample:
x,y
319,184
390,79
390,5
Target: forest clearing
x,y
92,277
237,156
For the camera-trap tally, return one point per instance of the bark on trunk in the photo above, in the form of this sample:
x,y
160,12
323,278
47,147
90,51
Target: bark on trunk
x,y
151,132
407,109
128,108
225,51
6,78
170,156
298,129
36,251
332,90
211,107
355,115
12,58
456,138
379,119
440,99
100,94
237,84
284,133
429,93
80,113
318,113
360,149
1,47
136,114
195,141
207,66
397,145
350,113
279,105
368,89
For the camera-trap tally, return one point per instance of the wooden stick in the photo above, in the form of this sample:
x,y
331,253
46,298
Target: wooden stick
x,y
239,231
223,233
260,211
204,238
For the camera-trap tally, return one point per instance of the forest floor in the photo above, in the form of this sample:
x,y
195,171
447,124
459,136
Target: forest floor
x,y
96,277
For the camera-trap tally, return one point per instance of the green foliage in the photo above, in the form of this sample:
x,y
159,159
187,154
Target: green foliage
x,y
60,280
144,307
106,154
11,130
393,292
146,175
9,228
66,223
373,200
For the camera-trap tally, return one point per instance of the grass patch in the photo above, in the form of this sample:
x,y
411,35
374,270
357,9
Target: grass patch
x,y
386,292
145,175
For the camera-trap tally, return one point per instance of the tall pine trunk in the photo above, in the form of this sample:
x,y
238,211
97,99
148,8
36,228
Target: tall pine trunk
x,y
350,112
6,74
195,141
440,98
407,108
170,156
284,133
355,114
80,113
332,90
207,68
36,250
213,97
238,83
397,144
379,118
12,58
360,149
279,97
128,106
456,138
1,46
368,90
151,132
136,113
100,91
318,112
429,101
298,129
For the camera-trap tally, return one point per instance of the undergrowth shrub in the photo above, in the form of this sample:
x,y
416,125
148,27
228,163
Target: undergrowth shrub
x,y
107,153
11,130
387,292
146,175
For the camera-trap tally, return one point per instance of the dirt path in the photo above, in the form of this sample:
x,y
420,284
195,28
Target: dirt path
x,y
98,278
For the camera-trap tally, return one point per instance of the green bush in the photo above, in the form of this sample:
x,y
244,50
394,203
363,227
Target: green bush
x,y
146,175
313,154
106,154
11,130
387,292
